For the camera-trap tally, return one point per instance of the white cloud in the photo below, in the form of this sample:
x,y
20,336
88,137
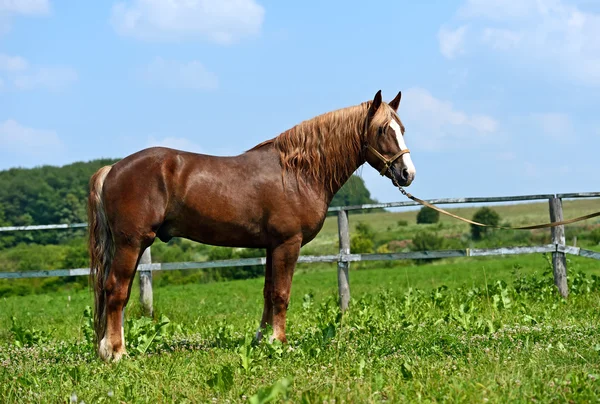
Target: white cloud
x,y
223,21
51,78
497,9
501,39
180,75
422,105
26,7
557,126
12,63
536,32
179,143
439,124
452,41
16,138
8,8
22,76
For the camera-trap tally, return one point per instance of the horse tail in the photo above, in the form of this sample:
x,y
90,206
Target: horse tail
x,y
100,247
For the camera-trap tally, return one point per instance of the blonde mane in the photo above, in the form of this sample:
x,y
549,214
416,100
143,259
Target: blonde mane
x,y
327,148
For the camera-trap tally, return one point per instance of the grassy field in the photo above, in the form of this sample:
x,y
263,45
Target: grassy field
x,y
469,331
459,330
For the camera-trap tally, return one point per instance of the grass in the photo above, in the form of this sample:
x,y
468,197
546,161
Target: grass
x,y
470,330
461,330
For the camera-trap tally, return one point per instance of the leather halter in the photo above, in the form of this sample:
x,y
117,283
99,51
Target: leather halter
x,y
387,163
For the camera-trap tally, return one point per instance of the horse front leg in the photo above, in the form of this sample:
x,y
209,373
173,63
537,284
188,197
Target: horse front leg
x,y
267,316
284,259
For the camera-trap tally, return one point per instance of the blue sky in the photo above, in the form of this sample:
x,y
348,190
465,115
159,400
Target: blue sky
x,y
500,97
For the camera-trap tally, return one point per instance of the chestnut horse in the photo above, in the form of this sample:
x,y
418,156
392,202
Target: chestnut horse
x,y
273,196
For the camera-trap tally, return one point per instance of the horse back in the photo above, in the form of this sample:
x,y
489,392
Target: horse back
x,y
239,201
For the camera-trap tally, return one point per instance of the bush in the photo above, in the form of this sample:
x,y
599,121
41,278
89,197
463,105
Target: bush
x,y
364,229
362,240
484,215
249,271
427,215
427,241
595,235
360,244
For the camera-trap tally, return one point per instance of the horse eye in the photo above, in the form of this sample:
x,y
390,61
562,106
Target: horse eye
x,y
381,130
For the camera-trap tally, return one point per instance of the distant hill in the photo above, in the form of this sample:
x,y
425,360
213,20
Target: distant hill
x,y
50,194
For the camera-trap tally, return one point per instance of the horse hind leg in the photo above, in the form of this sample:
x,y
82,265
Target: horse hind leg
x,y
117,288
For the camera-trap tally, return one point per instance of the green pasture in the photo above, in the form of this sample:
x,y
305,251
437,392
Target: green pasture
x,y
474,330
459,330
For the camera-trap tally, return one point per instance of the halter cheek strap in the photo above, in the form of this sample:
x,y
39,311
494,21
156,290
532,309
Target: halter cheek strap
x,y
387,163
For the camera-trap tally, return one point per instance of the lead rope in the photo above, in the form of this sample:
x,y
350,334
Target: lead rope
x,y
536,226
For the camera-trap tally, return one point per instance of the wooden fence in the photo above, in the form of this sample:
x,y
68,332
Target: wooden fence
x,y
558,248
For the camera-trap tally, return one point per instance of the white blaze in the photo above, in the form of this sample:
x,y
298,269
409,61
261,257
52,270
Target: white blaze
x,y
405,157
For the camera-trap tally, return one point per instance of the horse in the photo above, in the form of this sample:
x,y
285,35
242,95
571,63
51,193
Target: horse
x,y
273,196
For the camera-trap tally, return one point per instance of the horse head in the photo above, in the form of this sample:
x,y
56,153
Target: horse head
x,y
384,146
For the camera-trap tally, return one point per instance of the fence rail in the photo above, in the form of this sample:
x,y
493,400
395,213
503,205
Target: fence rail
x,y
308,259
558,248
43,227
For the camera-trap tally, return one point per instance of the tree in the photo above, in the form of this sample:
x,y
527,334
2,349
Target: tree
x,y
427,215
353,192
484,215
45,195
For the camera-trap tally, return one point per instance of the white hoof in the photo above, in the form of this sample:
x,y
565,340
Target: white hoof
x,y
107,352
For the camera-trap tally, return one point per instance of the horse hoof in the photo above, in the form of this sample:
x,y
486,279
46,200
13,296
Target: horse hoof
x,y
280,338
107,352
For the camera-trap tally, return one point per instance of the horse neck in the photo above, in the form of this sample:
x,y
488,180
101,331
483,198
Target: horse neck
x,y
351,162
336,186
325,164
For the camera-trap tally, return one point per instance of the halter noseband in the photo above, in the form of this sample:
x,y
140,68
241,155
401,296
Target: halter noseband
x,y
387,163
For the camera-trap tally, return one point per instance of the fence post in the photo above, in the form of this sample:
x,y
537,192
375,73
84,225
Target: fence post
x,y
146,284
343,264
559,261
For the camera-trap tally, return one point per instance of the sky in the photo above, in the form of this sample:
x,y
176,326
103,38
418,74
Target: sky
x,y
499,97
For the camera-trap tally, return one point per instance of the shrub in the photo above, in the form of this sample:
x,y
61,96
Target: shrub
x,y
484,215
360,244
402,223
364,229
595,235
244,272
427,241
427,215
362,240
220,253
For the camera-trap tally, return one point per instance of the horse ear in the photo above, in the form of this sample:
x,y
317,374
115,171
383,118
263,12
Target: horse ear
x,y
395,103
375,104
